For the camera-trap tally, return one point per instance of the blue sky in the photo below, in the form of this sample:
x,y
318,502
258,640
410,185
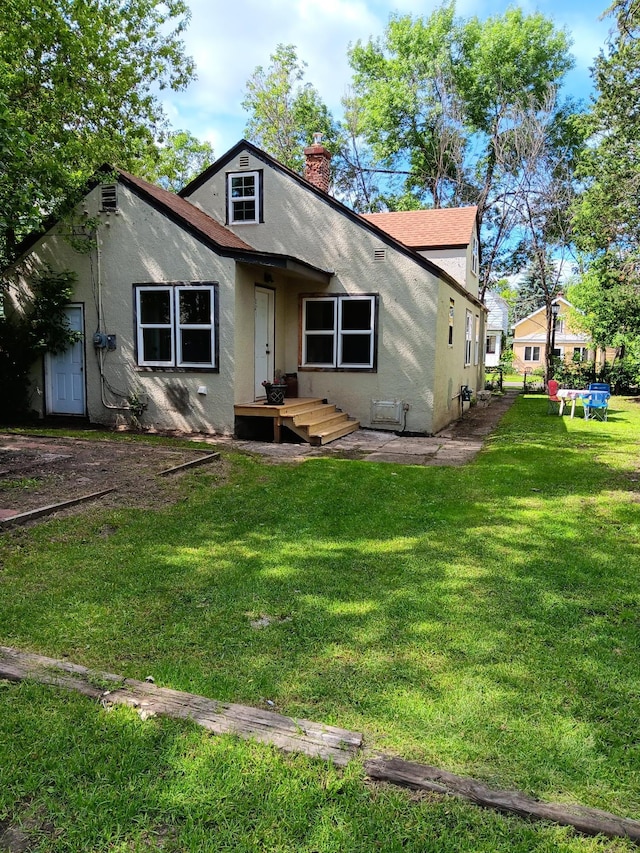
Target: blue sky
x,y
228,40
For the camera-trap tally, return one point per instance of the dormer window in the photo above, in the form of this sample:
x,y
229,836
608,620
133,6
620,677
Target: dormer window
x,y
243,198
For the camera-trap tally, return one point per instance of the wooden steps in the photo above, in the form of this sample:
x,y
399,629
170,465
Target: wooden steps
x,y
310,418
319,423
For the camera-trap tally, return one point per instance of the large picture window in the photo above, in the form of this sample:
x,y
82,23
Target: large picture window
x,y
175,325
243,198
339,332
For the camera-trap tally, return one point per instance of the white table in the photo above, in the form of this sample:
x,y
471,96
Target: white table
x,y
571,394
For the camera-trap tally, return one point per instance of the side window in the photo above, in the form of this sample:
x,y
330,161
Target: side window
x,y
468,337
475,256
452,308
476,344
243,198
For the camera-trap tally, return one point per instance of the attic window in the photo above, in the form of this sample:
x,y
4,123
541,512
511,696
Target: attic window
x,y
379,254
109,196
243,198
243,161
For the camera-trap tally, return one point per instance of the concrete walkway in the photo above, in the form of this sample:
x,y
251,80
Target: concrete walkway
x,y
455,445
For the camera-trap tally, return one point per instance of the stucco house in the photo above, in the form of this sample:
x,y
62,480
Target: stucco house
x,y
187,303
570,345
497,327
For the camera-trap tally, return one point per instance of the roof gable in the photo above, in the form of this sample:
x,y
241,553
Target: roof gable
x,y
535,313
361,220
446,227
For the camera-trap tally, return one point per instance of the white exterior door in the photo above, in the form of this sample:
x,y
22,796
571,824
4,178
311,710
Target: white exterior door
x,y
263,338
64,372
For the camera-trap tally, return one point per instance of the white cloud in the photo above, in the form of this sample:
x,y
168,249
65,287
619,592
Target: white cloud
x,y
228,41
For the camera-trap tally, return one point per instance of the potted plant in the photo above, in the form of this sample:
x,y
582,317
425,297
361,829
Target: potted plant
x,y
275,390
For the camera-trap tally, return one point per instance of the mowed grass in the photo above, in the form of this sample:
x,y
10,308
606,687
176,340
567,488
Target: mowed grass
x,y
484,619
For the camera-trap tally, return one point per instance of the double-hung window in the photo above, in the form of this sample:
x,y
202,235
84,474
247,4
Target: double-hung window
x,y
476,346
339,332
243,198
475,256
175,325
468,337
452,309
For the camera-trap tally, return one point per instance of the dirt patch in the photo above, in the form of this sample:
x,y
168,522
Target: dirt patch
x,y
40,471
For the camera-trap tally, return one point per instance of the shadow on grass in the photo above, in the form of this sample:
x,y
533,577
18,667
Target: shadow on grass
x,y
478,618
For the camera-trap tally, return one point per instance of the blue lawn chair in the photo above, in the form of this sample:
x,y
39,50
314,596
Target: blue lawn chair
x,y
596,405
600,386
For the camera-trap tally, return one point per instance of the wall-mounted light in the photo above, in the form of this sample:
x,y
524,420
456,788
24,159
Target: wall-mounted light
x,y
268,278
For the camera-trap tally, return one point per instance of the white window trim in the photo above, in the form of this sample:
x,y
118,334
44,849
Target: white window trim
x,y
338,333
255,197
476,345
468,337
141,327
174,325
532,352
475,256
180,327
452,310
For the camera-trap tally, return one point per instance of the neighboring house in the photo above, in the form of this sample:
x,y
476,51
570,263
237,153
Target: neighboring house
x,y
189,302
497,328
530,336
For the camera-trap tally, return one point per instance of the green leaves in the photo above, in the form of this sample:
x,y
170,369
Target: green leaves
x,y
607,216
77,88
284,112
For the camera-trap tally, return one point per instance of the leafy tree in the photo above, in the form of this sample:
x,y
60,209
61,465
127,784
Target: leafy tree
x,y
441,97
607,220
411,108
77,88
178,158
285,112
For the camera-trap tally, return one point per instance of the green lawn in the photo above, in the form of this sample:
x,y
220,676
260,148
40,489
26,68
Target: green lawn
x,y
484,619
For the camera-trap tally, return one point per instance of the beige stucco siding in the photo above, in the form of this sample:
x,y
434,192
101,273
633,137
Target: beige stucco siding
x,y
300,223
140,245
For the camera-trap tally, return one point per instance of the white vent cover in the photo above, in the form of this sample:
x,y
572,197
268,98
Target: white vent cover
x,y
243,161
380,254
386,412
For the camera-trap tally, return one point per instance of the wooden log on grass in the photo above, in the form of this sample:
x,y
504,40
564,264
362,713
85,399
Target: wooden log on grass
x,y
295,735
287,733
423,777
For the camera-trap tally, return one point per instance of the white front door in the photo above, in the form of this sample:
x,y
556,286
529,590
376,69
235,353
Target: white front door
x,y
64,372
263,338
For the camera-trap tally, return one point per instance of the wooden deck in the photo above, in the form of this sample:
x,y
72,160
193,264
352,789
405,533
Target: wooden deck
x,y
311,418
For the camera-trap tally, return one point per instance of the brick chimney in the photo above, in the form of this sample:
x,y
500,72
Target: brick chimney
x,y
317,169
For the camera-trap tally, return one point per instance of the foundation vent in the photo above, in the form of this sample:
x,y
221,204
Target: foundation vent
x,y
380,254
243,161
388,412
